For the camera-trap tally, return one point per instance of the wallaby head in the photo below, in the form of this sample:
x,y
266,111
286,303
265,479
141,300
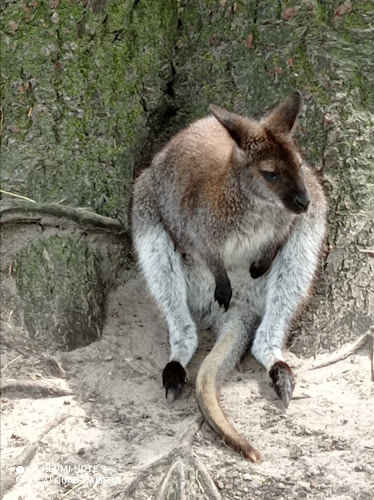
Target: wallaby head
x,y
267,153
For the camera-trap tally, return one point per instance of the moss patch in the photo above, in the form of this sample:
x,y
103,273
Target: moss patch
x,y
62,292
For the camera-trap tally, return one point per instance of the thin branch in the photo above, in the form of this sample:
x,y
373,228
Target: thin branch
x,y
10,363
369,252
15,195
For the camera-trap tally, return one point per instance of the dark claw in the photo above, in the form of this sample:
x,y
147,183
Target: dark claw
x,y
257,270
282,380
223,293
262,265
174,377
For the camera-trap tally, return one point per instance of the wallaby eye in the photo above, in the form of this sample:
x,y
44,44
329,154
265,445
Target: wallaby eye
x,y
269,176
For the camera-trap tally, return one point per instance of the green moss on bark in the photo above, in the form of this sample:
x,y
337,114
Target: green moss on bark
x,y
60,284
75,84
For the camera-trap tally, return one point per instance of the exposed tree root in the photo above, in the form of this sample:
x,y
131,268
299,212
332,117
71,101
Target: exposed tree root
x,y
9,475
34,388
183,475
342,353
27,211
187,478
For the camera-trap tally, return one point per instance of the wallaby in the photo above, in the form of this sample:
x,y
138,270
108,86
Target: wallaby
x,y
229,215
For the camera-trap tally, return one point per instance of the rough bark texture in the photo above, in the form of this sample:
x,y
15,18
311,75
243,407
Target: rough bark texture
x,y
91,88
73,316
57,270
79,81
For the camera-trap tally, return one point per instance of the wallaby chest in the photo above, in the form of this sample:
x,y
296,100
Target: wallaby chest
x,y
255,235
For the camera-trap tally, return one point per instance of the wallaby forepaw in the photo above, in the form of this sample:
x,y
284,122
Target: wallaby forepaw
x,y
258,269
174,377
223,293
282,380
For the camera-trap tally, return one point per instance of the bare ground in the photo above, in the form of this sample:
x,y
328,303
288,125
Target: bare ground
x,y
94,423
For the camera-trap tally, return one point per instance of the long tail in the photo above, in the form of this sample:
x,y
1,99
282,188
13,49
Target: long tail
x,y
222,359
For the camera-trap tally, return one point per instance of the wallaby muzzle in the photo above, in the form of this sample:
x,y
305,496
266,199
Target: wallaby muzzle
x,y
301,202
298,201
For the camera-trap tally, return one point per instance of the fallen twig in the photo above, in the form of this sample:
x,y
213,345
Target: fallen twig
x,y
369,252
10,363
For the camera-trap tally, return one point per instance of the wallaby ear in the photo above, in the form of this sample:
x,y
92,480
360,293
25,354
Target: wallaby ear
x,y
283,118
235,124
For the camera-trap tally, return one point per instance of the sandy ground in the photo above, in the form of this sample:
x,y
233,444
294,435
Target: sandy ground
x,y
104,429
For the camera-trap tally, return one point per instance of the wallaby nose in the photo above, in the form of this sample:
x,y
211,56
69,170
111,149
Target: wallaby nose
x,y
302,201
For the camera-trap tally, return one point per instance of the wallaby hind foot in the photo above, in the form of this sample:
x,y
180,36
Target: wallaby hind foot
x,y
174,377
282,380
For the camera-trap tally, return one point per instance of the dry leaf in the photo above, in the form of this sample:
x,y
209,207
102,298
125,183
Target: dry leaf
x,y
289,13
13,25
55,18
249,41
343,9
23,88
